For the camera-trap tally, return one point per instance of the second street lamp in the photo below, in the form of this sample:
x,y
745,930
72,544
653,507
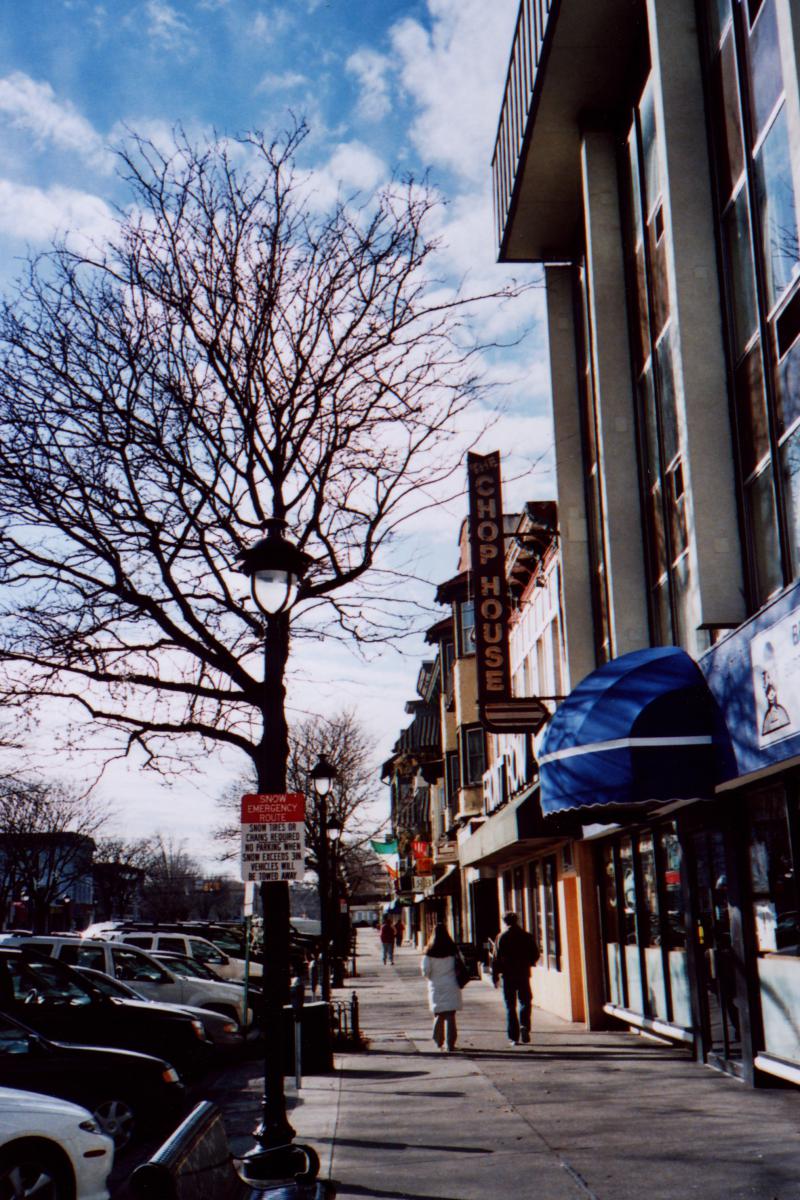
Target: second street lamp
x,y
322,776
275,567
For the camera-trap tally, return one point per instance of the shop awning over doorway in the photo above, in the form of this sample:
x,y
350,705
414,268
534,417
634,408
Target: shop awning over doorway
x,y
642,728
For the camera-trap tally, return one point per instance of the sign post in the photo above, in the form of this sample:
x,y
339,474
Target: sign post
x,y
273,837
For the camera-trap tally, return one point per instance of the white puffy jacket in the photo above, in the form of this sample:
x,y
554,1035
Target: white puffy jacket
x,y
444,994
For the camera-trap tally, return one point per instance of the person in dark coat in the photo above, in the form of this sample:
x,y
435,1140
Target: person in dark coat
x,y
515,953
386,935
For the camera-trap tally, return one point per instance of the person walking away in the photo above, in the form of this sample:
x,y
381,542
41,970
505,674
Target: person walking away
x,y
386,934
438,966
515,953
398,932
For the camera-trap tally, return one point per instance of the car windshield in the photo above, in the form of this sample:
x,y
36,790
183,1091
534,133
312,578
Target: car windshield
x,y
190,968
44,983
111,987
134,967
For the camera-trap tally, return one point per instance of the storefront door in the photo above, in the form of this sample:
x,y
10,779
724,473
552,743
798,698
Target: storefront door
x,y
716,964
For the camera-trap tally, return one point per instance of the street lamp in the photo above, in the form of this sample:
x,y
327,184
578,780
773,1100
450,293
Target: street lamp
x,y
339,951
322,775
275,567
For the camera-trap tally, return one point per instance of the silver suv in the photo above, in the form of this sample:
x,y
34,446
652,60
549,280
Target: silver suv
x,y
153,979
187,944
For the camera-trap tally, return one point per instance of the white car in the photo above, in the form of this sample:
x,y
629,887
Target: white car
x,y
51,1149
181,943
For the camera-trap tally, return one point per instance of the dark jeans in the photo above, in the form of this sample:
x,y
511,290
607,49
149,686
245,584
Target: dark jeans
x,y
517,991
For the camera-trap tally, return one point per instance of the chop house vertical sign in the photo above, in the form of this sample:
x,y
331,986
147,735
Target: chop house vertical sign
x,y
489,574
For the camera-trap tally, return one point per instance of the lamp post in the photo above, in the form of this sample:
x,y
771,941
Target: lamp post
x,y
334,833
275,568
322,775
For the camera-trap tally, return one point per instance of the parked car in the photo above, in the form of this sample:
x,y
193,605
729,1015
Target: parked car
x,y
206,952
190,968
125,1092
61,1004
143,972
51,1149
222,1032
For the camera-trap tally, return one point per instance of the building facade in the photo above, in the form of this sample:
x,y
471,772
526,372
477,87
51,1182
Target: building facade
x,y
648,155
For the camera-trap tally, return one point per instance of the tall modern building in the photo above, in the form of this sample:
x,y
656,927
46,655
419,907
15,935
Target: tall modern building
x,y
648,155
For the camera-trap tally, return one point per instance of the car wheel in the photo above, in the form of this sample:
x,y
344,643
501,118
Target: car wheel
x,y
29,1172
116,1118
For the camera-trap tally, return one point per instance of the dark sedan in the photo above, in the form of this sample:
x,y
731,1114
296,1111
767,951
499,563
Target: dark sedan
x,y
220,1030
127,1093
55,1000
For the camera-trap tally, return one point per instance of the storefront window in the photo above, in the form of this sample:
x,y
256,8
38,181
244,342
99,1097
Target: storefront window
x,y
642,900
616,989
776,920
552,948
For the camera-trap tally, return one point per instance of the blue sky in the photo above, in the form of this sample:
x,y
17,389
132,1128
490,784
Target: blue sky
x,y
385,85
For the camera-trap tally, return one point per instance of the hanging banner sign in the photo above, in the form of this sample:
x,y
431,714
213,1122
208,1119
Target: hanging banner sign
x,y
499,711
273,837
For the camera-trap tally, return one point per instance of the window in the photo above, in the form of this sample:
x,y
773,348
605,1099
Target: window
x,y
172,945
772,876
205,953
473,749
452,778
135,968
660,461
465,628
757,213
592,478
84,956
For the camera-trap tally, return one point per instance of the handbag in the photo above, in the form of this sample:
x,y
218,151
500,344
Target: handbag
x,y
462,972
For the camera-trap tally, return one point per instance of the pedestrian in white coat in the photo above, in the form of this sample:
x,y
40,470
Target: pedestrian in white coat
x,y
444,995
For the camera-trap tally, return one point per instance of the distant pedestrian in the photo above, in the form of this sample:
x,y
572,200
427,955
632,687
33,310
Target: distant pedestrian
x,y
444,995
387,936
398,933
515,953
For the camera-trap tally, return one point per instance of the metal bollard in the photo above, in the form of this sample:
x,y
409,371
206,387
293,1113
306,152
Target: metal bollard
x,y
297,995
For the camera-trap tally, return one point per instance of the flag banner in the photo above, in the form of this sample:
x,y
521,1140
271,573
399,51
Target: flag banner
x,y
387,847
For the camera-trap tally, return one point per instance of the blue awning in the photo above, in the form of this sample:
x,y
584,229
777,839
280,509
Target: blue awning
x,y
642,728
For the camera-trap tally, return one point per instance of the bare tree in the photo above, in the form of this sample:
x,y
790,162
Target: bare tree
x,y
344,741
233,356
119,871
171,881
47,834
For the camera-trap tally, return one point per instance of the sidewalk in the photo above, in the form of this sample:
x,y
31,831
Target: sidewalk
x,y
575,1115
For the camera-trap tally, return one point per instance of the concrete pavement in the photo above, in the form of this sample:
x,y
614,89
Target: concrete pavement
x,y
574,1116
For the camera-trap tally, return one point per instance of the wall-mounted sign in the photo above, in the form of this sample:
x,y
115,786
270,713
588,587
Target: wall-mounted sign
x,y
273,837
499,712
422,882
445,852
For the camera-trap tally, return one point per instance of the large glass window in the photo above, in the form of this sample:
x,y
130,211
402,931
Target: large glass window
x,y
593,484
761,278
776,918
644,926
665,500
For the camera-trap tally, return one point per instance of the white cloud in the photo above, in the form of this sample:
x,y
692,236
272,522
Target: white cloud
x,y
37,215
34,107
371,70
454,75
282,82
265,28
351,167
167,28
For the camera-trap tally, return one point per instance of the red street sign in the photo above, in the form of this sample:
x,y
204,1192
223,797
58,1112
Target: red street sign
x,y
267,808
